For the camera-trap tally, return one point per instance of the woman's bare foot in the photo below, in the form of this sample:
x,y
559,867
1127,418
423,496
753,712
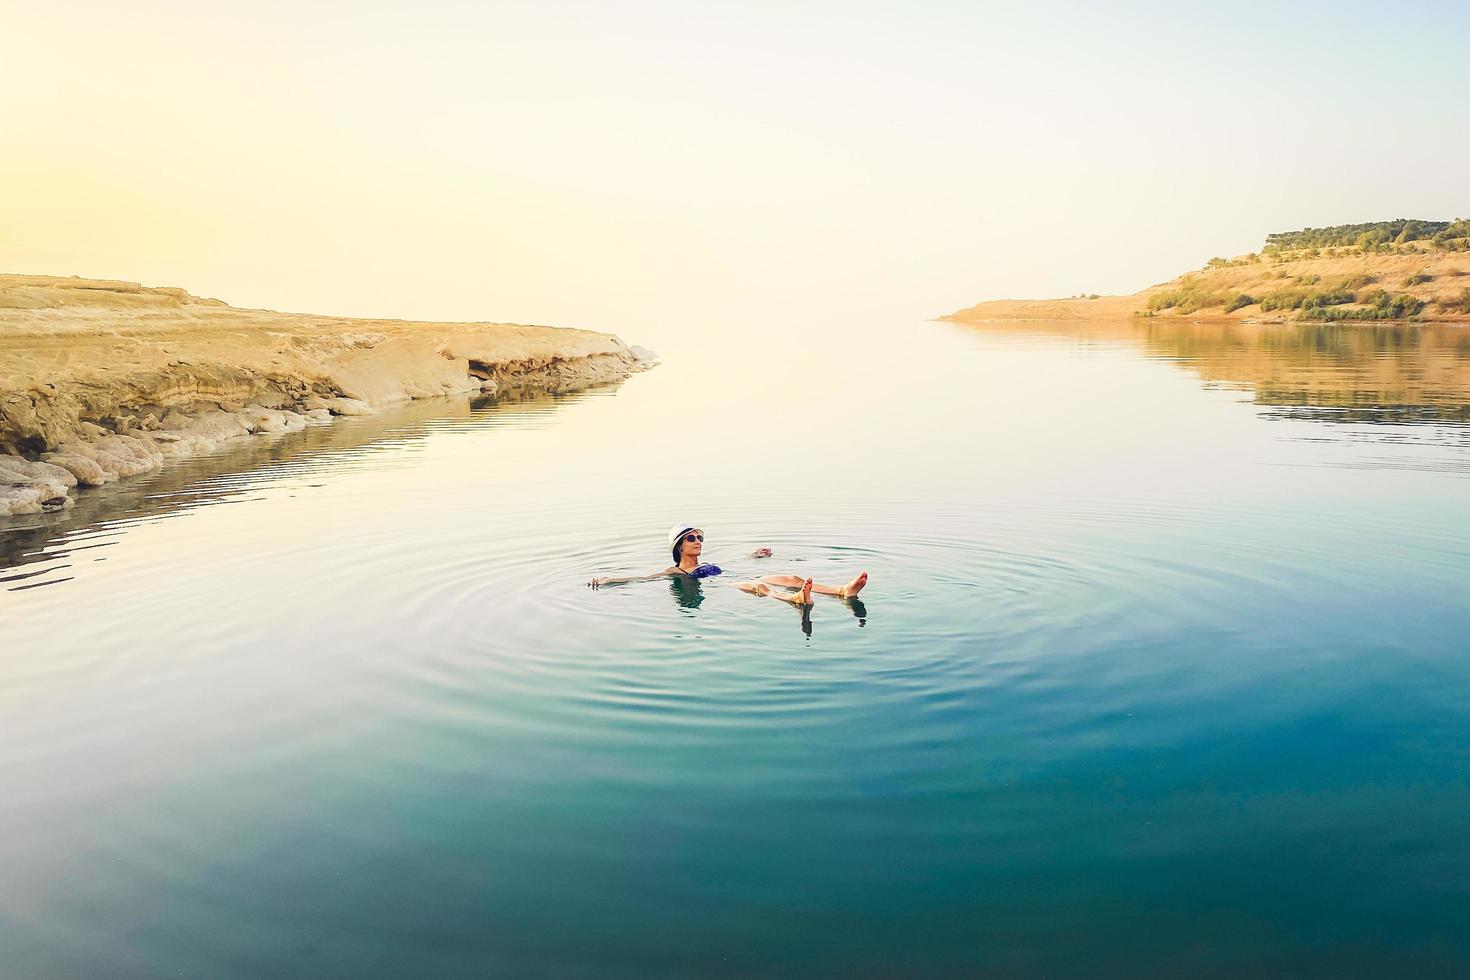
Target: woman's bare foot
x,y
801,597
855,586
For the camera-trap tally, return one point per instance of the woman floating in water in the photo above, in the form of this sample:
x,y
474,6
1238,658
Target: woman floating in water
x,y
686,543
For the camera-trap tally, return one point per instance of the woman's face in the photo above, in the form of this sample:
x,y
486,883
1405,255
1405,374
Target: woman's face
x,y
693,543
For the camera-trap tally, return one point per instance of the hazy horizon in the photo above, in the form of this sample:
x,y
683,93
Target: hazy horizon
x,y
640,166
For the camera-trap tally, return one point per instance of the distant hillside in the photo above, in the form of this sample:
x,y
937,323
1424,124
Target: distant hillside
x,y
1405,269
1400,231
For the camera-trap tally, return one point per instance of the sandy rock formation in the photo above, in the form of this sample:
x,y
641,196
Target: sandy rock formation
x,y
102,379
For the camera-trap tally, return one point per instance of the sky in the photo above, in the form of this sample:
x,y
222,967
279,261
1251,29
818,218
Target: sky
x,y
681,166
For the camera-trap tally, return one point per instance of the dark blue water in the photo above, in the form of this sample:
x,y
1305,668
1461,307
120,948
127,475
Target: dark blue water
x,y
1162,670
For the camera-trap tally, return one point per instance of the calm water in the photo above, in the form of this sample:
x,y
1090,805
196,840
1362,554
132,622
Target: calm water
x,y
1162,670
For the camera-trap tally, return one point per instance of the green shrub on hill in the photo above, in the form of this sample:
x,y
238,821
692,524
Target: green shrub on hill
x,y
1305,299
1455,236
1283,299
1380,305
1370,235
1397,237
1186,299
1371,241
1219,263
1191,298
1327,297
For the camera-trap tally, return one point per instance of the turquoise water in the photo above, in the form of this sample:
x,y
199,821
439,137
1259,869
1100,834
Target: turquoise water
x,y
1162,670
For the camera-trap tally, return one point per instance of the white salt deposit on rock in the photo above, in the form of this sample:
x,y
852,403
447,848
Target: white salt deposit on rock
x,y
350,406
87,470
260,419
94,463
126,455
28,488
203,433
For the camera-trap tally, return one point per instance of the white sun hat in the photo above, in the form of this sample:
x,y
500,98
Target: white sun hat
x,y
678,531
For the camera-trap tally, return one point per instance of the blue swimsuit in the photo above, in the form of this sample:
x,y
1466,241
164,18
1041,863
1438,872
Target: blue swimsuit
x,y
705,571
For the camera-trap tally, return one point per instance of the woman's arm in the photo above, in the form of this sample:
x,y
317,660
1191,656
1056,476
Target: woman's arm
x,y
598,583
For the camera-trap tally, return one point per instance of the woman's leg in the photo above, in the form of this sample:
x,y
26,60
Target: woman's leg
x,y
794,582
801,597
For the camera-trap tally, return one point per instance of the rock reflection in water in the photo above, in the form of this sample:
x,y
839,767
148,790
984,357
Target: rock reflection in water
x,y
1399,373
41,549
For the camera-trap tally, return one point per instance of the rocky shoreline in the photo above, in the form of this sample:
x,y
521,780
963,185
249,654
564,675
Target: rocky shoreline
x,y
101,380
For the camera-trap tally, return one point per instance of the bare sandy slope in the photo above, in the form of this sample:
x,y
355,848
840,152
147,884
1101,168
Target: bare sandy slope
x,y
1449,272
102,379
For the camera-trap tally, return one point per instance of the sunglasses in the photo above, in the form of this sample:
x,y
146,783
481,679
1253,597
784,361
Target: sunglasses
x,y
691,538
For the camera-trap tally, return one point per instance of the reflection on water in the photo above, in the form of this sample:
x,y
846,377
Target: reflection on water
x,y
1330,372
1160,677
1396,373
687,592
54,542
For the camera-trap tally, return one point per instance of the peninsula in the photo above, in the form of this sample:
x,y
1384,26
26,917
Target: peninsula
x,y
1405,269
102,379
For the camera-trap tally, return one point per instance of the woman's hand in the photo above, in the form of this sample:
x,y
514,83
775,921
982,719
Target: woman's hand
x,y
761,553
